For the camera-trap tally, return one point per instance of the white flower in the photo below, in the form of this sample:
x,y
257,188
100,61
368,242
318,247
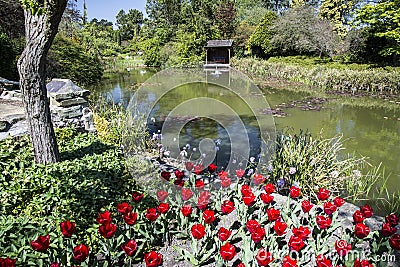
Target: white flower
x,y
334,174
183,153
194,149
174,139
153,120
252,159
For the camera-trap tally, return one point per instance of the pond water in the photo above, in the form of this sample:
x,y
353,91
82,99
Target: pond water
x,y
369,132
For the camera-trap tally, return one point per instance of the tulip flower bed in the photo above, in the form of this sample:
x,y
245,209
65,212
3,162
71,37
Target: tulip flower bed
x,y
261,228
208,216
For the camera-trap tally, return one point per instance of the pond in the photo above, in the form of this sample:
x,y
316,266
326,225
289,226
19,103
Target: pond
x,y
370,132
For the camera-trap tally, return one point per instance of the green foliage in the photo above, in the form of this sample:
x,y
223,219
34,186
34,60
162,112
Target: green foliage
x,y
35,7
129,23
225,17
7,58
316,162
383,19
337,77
259,41
336,12
69,59
299,31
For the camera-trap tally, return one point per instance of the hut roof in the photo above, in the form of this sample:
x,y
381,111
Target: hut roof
x,y
219,43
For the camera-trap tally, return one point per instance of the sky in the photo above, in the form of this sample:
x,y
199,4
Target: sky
x,y
108,9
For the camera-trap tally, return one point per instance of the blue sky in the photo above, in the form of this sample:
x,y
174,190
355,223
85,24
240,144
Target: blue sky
x,y
108,9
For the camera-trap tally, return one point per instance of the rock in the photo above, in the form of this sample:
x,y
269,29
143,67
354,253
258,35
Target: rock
x,y
4,125
18,129
68,102
61,89
68,113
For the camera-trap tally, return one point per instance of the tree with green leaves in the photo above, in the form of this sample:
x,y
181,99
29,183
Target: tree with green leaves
x,y
300,31
42,18
336,11
129,23
383,21
259,41
225,17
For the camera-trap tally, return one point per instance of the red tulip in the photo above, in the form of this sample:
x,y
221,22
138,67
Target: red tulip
x,y
166,175
124,208
163,208
294,192
269,188
301,232
358,217
7,262
179,182
227,251
342,247
208,216
323,222
104,218
258,234
306,206
67,228
198,169
153,259
152,214
323,194
186,194
212,168
394,241
289,262
186,210
252,226
322,261
227,207
130,218
361,230
107,230
258,179
53,264
179,174
241,265
267,198
264,257
224,234
339,201
130,247
198,231
296,243
249,199
329,208
199,184
81,252
41,244
162,195
367,211
392,219
137,197
388,230
280,228
223,174
363,263
225,182
246,190
240,173
203,199
273,214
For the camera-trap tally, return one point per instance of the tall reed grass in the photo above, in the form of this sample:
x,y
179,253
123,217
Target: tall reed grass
x,y
377,80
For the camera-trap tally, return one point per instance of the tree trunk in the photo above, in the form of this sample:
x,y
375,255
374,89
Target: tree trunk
x,y
40,30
